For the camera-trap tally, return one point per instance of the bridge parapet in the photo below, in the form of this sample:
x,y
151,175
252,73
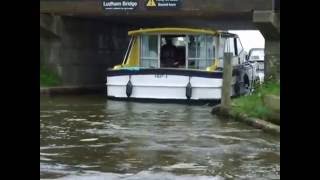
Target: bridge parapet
x,y
187,8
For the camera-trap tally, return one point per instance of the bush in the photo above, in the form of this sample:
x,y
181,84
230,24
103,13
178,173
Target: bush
x,y
253,105
48,78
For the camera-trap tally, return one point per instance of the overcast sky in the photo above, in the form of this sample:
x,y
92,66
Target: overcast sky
x,y
250,39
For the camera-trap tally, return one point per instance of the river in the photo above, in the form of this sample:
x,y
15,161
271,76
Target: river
x,y
92,138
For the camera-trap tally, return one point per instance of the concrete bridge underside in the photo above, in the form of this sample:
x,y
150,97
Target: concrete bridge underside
x,y
80,41
189,8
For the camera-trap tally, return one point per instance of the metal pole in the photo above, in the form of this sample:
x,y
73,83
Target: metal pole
x,y
226,83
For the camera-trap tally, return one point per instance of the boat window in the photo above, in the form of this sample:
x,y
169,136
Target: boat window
x,y
256,55
239,46
201,51
229,46
173,51
149,51
221,48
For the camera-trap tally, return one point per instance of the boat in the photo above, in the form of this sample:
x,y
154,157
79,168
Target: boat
x,y
256,58
180,64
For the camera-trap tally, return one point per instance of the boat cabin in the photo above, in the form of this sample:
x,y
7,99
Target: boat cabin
x,y
181,48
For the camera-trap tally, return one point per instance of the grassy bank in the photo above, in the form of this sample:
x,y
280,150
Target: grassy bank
x,y
253,105
48,78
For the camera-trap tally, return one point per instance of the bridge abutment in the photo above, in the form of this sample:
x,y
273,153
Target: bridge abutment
x,y
82,49
268,22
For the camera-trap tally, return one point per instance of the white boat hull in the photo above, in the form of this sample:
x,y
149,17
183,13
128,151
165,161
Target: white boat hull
x,y
165,86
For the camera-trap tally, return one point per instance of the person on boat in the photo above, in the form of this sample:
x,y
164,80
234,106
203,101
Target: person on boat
x,y
169,54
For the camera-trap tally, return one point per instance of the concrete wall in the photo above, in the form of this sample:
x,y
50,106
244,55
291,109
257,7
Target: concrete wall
x,y
49,44
189,8
268,22
83,50
272,62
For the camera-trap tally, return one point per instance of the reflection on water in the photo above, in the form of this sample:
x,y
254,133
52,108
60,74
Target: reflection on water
x,y
88,137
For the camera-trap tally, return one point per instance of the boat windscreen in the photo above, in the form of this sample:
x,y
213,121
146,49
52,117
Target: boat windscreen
x,y
128,50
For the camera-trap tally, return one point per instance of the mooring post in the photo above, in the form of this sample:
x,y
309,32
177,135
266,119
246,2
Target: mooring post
x,y
227,79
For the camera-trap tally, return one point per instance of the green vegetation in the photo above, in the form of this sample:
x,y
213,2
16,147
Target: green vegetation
x,y
48,78
253,105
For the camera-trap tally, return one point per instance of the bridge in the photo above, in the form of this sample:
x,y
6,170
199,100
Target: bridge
x,y
79,39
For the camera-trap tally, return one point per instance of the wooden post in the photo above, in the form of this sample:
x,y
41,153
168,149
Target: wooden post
x,y
227,79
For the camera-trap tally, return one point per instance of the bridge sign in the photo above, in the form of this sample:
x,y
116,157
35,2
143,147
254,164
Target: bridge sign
x,y
119,4
129,5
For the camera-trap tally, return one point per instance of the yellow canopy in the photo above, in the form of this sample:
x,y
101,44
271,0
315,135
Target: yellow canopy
x,y
173,31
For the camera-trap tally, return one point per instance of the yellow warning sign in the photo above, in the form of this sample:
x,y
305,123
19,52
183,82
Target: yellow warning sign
x,y
151,3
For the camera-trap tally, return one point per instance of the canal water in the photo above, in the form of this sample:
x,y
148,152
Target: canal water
x,y
89,137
